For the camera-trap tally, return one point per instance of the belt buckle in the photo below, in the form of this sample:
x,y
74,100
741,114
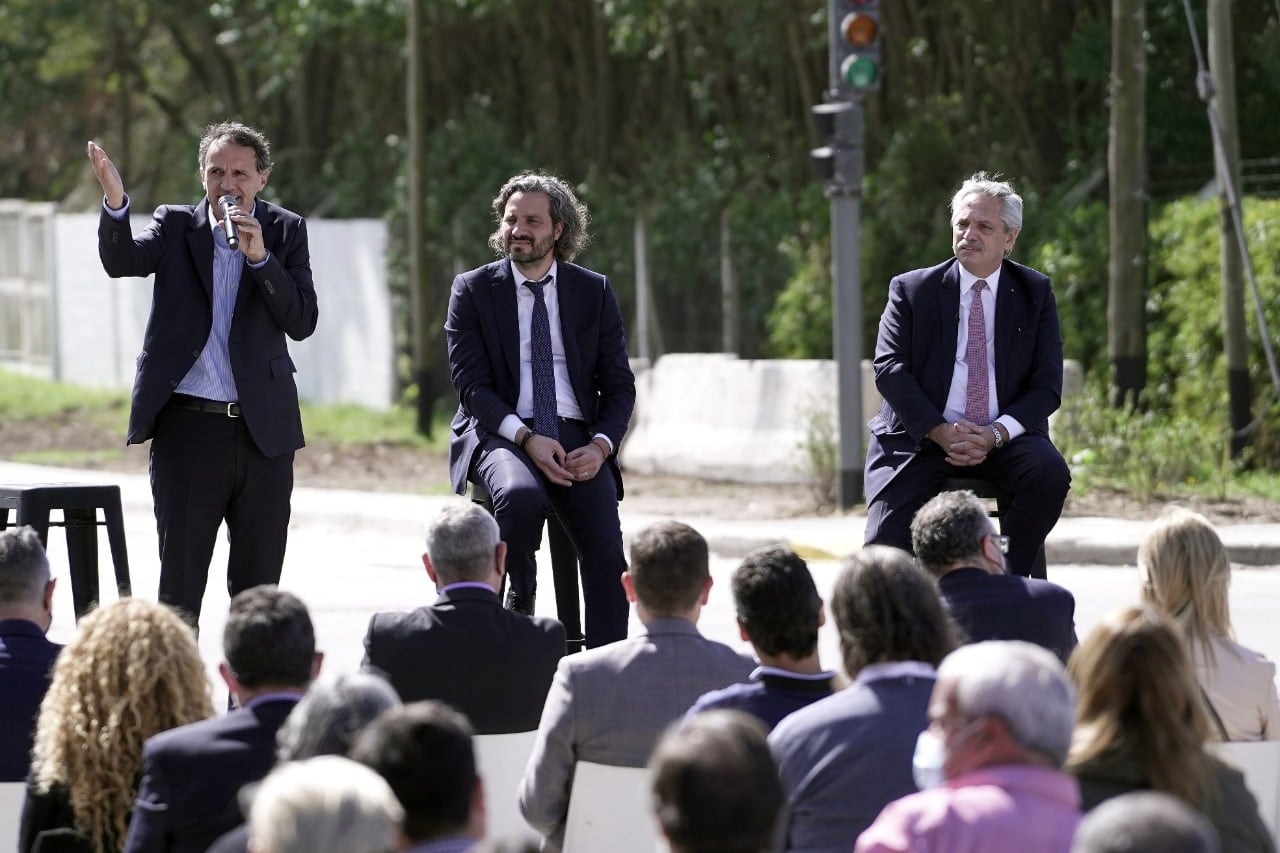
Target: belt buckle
x,y
230,413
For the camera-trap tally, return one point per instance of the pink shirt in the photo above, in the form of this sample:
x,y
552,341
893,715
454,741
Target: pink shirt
x,y
1012,807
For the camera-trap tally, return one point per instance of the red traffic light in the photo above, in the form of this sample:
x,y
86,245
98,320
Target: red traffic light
x,y
859,29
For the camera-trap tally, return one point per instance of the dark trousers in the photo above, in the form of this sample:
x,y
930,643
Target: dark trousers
x,y
1030,468
589,512
206,468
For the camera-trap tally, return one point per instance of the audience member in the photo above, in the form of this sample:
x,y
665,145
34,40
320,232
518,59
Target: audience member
x,y
191,775
492,664
999,728
715,785
779,613
133,669
608,705
1145,822
325,721
843,757
326,804
26,655
954,541
425,753
1142,725
1186,576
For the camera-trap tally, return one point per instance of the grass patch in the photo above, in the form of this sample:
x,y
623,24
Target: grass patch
x,y
32,397
350,424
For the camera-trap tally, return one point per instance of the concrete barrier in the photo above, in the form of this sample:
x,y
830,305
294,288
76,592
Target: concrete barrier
x,y
715,416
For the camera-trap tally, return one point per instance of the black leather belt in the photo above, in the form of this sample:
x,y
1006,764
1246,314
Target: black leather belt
x,y
200,404
571,421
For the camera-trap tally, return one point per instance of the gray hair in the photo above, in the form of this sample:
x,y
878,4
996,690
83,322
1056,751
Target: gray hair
x,y
566,210
1145,822
461,542
327,804
1022,684
331,713
24,567
949,530
986,185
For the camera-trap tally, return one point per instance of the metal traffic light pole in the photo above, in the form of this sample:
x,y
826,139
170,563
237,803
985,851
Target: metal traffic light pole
x,y
854,70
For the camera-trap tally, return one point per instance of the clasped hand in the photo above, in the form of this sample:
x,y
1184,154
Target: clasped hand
x,y
965,442
563,468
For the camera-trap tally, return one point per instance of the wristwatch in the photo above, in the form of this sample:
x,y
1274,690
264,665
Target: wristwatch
x,y
995,430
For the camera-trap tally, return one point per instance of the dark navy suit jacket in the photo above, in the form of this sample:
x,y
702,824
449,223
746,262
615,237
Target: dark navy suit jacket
x,y
26,663
916,352
483,331
1009,607
191,776
492,664
278,299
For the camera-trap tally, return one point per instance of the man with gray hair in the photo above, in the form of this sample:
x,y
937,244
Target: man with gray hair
x,y
969,363
26,655
492,664
1145,822
1001,716
956,544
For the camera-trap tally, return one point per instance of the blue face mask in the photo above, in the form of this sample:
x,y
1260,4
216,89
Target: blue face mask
x,y
926,763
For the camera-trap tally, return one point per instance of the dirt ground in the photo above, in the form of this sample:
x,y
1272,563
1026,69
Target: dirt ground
x,y
385,467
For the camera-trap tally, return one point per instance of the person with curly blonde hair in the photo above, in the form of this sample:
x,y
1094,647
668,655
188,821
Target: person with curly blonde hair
x,y
1186,576
133,669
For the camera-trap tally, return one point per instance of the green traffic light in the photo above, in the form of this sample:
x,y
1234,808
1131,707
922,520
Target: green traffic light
x,y
860,72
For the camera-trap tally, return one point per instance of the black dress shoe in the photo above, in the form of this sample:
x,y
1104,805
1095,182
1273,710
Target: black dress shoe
x,y
520,603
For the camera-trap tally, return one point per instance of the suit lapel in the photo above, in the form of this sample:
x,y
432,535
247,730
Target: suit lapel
x,y
1008,298
200,245
949,315
503,291
567,302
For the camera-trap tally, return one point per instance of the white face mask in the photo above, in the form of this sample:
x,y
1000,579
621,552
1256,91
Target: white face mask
x,y
926,763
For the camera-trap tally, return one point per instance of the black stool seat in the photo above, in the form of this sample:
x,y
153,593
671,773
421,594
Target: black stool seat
x,y
988,491
564,573
79,504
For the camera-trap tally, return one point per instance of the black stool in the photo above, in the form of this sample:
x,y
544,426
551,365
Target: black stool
x,y
988,491
564,573
79,504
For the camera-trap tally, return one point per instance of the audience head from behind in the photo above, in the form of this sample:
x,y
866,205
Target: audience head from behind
x,y
1186,575
887,610
332,713
953,531
26,586
325,804
131,654
670,573
999,702
778,606
463,545
715,786
1145,822
425,753
1139,697
269,644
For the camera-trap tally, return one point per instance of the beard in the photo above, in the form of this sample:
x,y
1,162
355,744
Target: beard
x,y
522,252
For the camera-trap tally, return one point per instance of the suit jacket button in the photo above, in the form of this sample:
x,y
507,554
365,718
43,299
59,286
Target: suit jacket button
x,y
916,448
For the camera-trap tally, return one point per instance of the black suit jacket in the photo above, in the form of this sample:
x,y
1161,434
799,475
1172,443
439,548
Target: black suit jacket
x,y
483,330
1009,607
26,664
192,774
916,351
492,664
278,299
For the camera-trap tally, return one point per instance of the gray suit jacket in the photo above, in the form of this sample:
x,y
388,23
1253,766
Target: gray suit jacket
x,y
610,704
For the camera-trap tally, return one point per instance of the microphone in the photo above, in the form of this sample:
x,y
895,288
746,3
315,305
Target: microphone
x,y
233,239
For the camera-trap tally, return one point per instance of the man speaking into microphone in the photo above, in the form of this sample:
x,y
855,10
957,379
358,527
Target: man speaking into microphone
x,y
214,389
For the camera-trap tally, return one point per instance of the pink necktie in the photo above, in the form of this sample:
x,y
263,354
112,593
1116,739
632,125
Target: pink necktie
x,y
976,405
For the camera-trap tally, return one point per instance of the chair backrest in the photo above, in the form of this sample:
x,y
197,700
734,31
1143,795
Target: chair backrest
x,y
1260,763
609,810
12,795
500,760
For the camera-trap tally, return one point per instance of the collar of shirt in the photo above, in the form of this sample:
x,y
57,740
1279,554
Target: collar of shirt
x,y
521,278
895,669
761,671
967,279
277,696
466,585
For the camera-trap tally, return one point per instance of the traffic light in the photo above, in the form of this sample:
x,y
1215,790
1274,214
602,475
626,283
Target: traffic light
x,y
855,46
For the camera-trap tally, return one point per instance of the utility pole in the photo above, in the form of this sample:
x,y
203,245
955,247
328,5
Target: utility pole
x,y
854,53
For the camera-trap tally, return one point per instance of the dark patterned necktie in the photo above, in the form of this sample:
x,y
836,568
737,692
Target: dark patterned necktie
x,y
976,401
541,360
